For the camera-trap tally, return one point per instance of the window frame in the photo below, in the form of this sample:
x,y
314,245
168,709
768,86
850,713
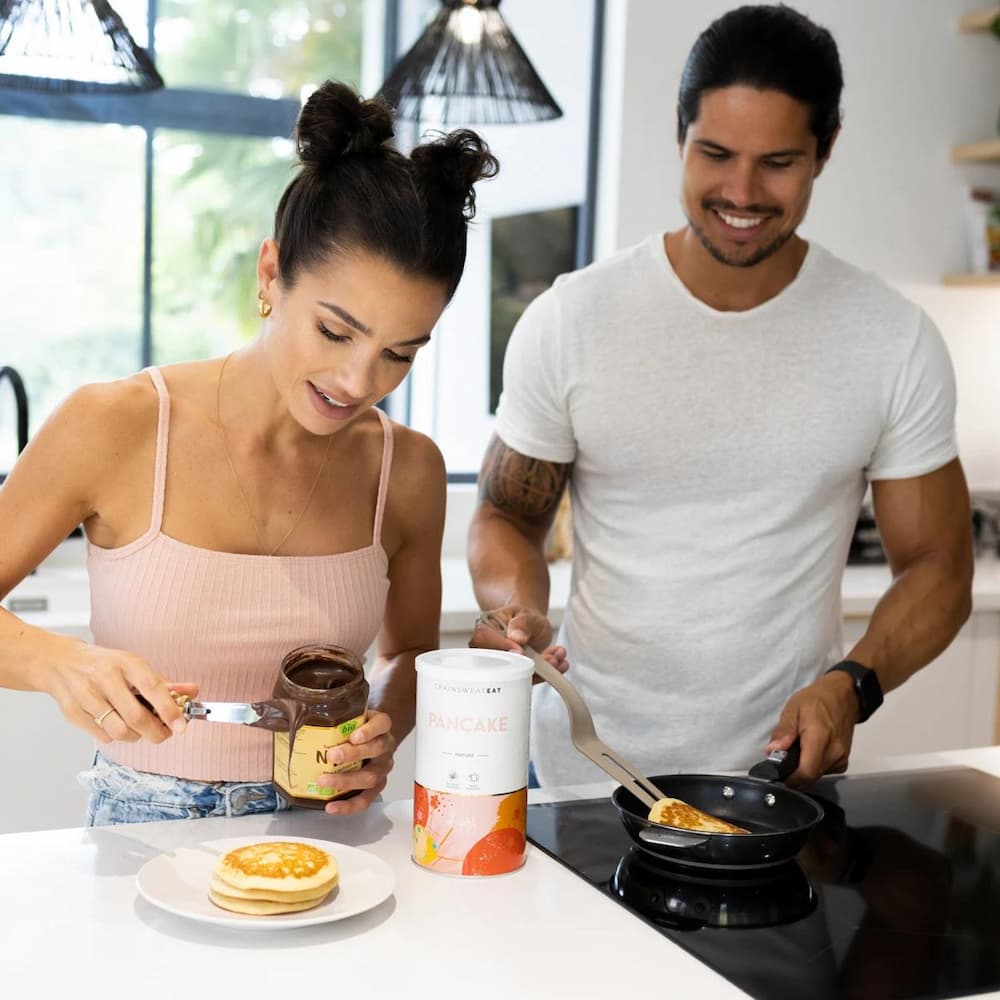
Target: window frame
x,y
222,113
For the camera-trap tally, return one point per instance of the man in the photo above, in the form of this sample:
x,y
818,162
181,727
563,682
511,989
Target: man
x,y
718,400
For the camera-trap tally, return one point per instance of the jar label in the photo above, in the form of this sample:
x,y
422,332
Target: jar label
x,y
472,734
298,774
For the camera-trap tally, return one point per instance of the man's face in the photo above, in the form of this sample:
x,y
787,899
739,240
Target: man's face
x,y
749,160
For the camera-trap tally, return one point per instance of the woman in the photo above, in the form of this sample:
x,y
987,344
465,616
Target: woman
x,y
239,507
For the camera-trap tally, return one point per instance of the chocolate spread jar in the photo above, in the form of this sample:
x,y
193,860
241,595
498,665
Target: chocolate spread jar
x,y
322,693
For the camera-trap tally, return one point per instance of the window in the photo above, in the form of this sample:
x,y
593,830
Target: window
x,y
264,48
213,203
71,254
528,252
144,252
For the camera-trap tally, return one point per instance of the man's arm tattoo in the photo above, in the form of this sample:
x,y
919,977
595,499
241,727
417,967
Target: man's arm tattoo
x,y
528,488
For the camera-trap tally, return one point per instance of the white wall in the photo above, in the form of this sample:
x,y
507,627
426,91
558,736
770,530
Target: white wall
x,y
969,319
542,166
890,200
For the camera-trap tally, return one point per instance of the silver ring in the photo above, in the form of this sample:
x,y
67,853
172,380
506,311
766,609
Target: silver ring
x,y
489,620
99,719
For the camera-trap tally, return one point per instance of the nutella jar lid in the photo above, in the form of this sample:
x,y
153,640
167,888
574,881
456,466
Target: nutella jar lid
x,y
324,679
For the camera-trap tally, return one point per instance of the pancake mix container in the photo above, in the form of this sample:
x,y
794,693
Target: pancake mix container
x,y
470,791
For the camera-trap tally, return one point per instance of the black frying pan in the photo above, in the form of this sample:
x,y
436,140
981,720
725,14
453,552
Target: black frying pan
x,y
779,819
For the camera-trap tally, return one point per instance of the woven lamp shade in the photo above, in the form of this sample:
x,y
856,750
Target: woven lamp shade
x,y
63,46
467,68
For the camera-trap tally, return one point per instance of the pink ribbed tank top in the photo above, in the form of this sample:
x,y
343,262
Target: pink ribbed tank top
x,y
225,620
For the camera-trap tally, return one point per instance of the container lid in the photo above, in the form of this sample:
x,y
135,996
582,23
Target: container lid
x,y
475,664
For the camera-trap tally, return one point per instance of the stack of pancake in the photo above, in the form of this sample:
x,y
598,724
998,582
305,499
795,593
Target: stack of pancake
x,y
273,877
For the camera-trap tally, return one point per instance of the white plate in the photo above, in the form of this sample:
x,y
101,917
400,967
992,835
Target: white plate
x,y
178,883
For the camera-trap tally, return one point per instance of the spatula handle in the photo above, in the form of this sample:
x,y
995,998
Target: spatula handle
x,y
585,739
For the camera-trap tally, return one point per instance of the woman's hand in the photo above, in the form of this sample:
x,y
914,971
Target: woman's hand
x,y
372,744
97,691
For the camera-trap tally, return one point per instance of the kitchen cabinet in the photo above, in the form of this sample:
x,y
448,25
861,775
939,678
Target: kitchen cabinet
x,y
951,704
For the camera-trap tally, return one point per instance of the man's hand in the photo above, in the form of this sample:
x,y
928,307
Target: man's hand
x,y
513,628
822,716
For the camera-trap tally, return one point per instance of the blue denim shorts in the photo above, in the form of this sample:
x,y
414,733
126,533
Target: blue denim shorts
x,y
120,795
533,781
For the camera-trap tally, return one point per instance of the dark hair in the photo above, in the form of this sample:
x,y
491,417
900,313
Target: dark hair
x,y
769,48
356,192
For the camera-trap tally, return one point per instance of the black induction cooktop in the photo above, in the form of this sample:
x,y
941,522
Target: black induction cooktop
x,y
896,896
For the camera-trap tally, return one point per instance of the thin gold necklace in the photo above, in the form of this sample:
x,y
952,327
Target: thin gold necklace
x,y
239,485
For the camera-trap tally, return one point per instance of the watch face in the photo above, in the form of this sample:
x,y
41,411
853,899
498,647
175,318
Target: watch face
x,y
866,687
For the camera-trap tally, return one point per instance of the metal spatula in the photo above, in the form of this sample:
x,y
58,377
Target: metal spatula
x,y
584,736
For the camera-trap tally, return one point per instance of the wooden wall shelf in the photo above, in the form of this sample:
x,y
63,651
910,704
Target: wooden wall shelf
x,y
978,20
991,280
987,151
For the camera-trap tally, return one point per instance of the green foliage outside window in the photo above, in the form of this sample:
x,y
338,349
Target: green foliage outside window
x,y
215,195
72,200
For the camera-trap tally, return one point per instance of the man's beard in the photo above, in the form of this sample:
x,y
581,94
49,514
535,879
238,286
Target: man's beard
x,y
755,258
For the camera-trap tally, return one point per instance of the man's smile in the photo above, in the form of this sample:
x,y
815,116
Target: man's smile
x,y
739,221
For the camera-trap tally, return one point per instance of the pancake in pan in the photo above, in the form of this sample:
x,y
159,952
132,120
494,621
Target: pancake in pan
x,y
674,812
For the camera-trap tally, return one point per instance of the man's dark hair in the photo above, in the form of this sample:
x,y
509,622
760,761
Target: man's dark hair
x,y
768,48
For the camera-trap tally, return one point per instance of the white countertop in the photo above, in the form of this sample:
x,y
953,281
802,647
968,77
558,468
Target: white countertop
x,y
66,592
74,925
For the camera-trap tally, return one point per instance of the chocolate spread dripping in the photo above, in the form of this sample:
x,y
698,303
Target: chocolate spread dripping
x,y
279,715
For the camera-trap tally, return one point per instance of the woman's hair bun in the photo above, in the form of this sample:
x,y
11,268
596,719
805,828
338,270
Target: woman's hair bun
x,y
451,164
336,122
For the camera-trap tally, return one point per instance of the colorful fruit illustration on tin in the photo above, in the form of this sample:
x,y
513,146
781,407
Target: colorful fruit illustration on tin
x,y
419,804
512,810
499,851
424,845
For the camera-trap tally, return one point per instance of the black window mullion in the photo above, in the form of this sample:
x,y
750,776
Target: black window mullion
x,y
146,344
152,12
588,220
194,110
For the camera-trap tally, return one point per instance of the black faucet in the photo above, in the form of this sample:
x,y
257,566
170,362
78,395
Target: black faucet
x,y
17,384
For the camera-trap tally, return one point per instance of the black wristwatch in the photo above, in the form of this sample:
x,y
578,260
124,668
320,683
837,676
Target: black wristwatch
x,y
866,687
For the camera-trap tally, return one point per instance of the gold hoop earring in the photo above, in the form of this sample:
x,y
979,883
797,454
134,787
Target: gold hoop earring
x,y
263,307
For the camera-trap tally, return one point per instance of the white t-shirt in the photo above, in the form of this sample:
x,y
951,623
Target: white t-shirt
x,y
720,460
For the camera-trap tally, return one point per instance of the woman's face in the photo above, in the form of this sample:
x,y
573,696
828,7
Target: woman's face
x,y
345,334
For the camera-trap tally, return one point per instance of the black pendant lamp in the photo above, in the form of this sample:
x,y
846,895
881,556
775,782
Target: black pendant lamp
x,y
467,68
64,46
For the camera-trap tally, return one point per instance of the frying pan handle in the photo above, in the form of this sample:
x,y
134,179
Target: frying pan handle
x,y
779,763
